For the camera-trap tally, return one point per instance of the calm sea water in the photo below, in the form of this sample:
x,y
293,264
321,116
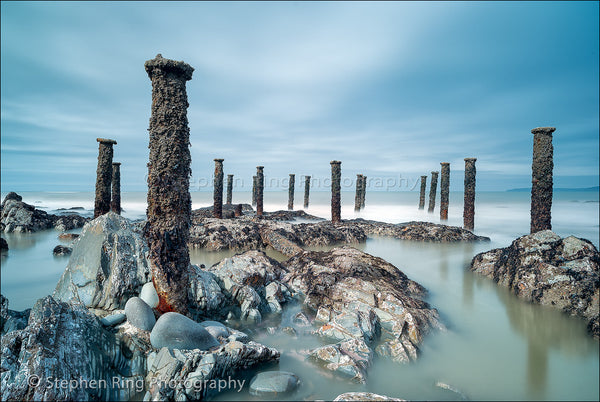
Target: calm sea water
x,y
496,346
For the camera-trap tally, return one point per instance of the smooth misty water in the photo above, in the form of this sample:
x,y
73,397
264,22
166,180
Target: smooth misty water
x,y
496,346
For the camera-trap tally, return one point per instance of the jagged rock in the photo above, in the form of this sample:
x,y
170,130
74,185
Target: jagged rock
x,y
206,295
176,331
202,372
66,342
364,396
301,320
68,236
3,245
279,242
11,320
149,295
139,314
223,234
273,383
545,269
20,217
108,264
62,250
417,231
362,300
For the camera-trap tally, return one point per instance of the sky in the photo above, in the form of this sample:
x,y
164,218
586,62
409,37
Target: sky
x,y
391,89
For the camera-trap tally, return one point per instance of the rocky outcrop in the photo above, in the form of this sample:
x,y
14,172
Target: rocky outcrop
x,y
417,231
108,265
546,269
365,305
67,342
11,320
20,217
228,211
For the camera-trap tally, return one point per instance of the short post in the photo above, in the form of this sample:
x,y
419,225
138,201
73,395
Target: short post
x,y
422,195
115,202
444,190
218,189
103,176
469,200
229,188
432,191
306,190
291,192
541,179
260,182
336,177
358,195
253,191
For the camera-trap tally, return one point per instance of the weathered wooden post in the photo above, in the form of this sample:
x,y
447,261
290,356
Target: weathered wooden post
x,y
432,191
422,195
229,188
218,189
541,179
336,177
469,200
238,210
358,195
291,192
444,190
306,190
363,192
260,182
103,176
253,191
115,202
169,200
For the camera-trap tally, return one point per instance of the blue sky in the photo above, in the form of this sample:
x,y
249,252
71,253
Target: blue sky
x,y
389,88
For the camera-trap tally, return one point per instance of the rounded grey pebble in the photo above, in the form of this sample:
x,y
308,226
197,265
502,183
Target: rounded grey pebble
x,y
273,383
149,295
113,319
139,314
176,331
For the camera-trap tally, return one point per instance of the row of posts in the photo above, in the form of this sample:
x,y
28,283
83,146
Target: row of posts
x,y
169,200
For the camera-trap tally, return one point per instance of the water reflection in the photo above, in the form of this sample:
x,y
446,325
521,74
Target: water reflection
x,y
467,276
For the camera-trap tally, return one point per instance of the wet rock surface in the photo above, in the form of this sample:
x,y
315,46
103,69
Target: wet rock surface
x,y
366,306
11,320
20,217
62,250
418,231
139,314
364,396
176,331
546,269
273,383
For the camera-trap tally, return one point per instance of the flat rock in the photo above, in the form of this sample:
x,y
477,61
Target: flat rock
x,y
149,295
68,236
546,269
418,231
273,383
113,319
176,331
139,314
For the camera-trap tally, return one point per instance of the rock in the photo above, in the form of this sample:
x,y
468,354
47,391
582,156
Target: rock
x,y
66,342
11,320
176,331
417,231
273,383
3,244
228,211
113,319
289,331
139,314
289,216
279,242
216,329
364,302
452,389
68,236
108,265
301,320
20,217
149,295
62,250
206,295
202,373
543,268
364,396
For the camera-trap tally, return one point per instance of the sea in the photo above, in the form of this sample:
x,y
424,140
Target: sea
x,y
496,346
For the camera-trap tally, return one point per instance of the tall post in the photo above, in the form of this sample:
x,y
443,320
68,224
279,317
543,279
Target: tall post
x,y
218,189
336,178
422,195
363,192
103,176
291,192
469,201
169,171
229,188
115,202
253,191
432,190
541,179
306,190
444,190
260,182
358,195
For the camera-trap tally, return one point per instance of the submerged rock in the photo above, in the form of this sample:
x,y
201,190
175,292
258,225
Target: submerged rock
x,y
418,231
3,244
139,314
108,265
364,396
176,331
68,236
20,217
62,250
273,383
544,268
